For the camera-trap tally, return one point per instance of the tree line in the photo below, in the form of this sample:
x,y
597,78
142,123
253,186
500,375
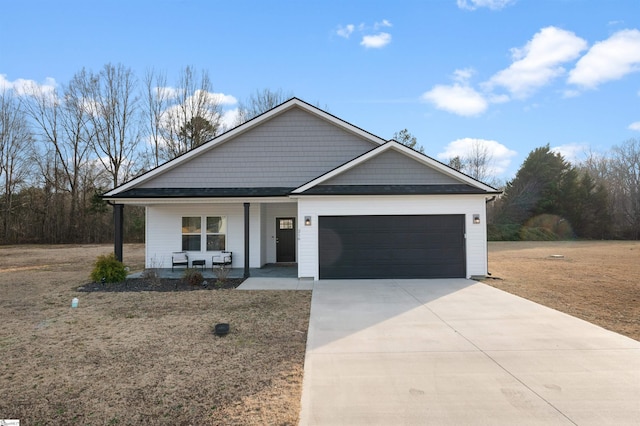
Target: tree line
x,y
61,147
551,199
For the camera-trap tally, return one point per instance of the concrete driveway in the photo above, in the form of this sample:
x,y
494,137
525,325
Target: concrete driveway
x,y
458,352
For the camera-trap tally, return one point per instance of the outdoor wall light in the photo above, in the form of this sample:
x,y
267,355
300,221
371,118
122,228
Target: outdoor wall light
x,y
307,221
476,219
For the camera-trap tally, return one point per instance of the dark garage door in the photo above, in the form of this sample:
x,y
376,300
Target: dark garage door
x,y
392,246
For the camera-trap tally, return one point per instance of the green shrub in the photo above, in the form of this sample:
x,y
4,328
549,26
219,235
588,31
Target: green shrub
x,y
503,232
108,269
192,276
528,233
546,227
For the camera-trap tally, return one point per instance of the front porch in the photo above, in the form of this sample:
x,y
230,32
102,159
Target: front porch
x,y
271,270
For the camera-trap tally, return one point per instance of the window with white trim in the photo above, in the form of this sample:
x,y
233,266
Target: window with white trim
x,y
191,233
216,233
210,237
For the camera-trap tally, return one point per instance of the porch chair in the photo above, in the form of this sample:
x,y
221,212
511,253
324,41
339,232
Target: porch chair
x,y
222,259
179,258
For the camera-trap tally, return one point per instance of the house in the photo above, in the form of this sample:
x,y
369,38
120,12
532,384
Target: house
x,y
297,184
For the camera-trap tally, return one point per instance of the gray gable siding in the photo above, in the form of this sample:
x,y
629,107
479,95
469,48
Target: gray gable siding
x,y
392,168
287,151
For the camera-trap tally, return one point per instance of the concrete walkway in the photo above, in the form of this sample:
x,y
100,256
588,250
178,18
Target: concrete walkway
x,y
272,283
457,352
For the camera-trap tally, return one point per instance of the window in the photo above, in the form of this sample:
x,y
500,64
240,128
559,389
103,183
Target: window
x,y
191,233
214,233
216,230
286,223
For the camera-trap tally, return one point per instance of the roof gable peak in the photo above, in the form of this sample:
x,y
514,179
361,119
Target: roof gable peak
x,y
395,146
230,135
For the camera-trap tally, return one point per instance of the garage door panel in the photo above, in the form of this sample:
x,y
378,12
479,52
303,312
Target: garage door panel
x,y
427,246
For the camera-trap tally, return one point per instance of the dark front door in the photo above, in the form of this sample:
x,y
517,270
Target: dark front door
x,y
285,239
392,246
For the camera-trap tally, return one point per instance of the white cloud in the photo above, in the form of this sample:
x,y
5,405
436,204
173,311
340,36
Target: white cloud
x,y
491,4
229,118
635,126
534,65
345,31
538,62
369,41
463,75
382,24
607,60
500,155
223,99
572,152
376,41
458,99
4,83
25,87
172,93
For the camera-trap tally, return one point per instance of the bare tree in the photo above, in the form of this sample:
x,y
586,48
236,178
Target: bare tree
x,y
193,116
74,149
625,162
15,141
478,161
156,102
259,102
47,207
597,165
112,104
65,133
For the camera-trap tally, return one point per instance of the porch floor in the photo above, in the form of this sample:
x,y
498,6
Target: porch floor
x,y
270,270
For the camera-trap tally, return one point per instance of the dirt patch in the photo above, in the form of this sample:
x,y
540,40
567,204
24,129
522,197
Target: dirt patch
x,y
143,357
598,281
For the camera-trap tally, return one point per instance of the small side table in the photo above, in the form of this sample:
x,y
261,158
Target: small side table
x,y
198,262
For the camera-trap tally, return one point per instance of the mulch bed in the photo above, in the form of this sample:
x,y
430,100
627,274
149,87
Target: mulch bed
x,y
163,284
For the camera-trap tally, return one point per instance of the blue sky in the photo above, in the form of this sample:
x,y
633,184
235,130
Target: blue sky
x,y
513,74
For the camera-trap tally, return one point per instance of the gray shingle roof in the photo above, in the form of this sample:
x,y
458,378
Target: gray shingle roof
x,y
203,192
393,190
285,191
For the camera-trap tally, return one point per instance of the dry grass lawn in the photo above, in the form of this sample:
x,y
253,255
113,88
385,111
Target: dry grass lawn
x,y
142,358
598,281
150,357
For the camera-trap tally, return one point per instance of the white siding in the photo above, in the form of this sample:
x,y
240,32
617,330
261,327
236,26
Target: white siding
x,y
476,246
392,168
286,151
164,232
164,226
